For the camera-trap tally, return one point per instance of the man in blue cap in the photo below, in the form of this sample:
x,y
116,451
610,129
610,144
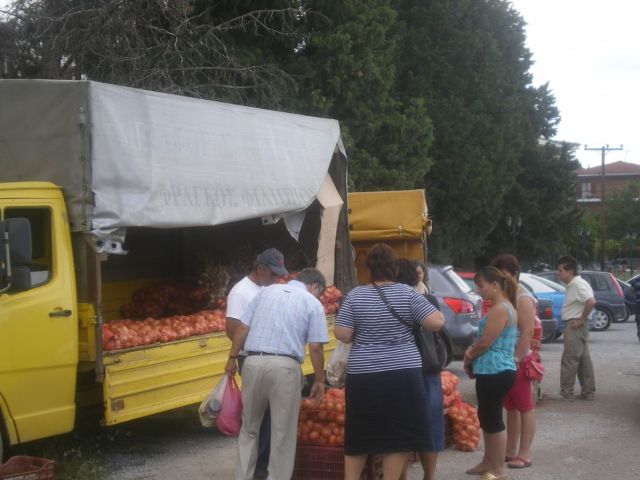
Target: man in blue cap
x,y
267,267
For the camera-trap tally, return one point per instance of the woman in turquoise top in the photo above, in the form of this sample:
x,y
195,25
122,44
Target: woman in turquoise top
x,y
490,360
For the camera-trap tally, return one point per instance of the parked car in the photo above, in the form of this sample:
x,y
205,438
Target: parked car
x,y
610,304
460,307
629,297
468,279
544,289
545,309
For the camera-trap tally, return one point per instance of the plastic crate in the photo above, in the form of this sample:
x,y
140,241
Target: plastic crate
x,y
27,468
327,463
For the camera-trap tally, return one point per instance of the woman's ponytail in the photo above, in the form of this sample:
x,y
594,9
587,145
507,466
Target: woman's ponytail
x,y
510,287
507,283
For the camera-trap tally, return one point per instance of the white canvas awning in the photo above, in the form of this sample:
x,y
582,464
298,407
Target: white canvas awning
x,y
128,157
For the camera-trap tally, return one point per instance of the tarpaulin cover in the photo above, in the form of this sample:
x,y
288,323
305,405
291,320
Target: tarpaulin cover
x,y
128,157
393,215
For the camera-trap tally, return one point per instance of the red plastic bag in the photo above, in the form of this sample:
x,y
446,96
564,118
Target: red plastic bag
x,y
533,370
212,404
229,420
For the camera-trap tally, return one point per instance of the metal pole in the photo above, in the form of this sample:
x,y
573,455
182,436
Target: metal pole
x,y
603,214
629,249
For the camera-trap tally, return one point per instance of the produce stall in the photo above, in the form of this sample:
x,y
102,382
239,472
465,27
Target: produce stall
x,y
167,201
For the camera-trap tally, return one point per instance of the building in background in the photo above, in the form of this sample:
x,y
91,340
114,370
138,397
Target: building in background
x,y
618,176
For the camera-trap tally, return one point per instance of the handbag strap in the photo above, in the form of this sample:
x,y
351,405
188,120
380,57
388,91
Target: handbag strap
x,y
391,309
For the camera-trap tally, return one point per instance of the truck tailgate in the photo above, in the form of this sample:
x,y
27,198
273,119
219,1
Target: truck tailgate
x,y
146,380
142,381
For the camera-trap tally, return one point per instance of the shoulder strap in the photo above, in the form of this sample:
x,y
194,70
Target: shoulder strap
x,y
509,312
391,309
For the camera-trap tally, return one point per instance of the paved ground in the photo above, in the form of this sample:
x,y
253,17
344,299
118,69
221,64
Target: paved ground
x,y
580,440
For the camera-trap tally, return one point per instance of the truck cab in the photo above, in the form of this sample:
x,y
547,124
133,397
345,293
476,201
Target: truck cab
x,y
38,314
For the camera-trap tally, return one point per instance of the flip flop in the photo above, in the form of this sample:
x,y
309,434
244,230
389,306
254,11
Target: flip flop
x,y
493,476
519,462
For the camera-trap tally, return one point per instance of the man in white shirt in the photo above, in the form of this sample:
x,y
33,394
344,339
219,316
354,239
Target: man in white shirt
x,y
578,304
268,266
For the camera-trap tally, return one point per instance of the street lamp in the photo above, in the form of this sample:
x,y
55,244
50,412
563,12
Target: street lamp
x,y
584,234
514,224
631,242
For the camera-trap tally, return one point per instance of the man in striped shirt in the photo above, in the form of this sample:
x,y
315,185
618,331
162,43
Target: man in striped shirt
x,y
277,325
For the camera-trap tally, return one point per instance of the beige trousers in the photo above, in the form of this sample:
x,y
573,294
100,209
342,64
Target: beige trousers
x,y
275,382
576,360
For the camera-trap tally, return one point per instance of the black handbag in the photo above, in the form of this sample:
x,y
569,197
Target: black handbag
x,y
427,342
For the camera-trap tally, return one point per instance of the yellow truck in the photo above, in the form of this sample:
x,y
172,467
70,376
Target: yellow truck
x,y
107,189
399,218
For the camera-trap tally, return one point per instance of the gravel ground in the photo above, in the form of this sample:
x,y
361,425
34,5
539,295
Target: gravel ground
x,y
599,439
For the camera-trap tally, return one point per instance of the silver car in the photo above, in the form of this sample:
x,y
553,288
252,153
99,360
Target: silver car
x,y
460,306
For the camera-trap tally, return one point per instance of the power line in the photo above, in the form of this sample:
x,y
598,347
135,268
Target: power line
x,y
603,215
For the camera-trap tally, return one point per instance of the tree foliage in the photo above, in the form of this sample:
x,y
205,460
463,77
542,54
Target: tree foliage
x,y
623,212
346,69
468,60
194,48
434,94
544,197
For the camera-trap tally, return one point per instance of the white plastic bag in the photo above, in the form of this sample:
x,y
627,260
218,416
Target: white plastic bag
x,y
210,407
337,364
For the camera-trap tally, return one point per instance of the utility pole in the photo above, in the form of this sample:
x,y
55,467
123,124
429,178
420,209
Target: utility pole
x,y
603,216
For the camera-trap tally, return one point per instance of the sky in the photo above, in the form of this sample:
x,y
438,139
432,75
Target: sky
x,y
589,52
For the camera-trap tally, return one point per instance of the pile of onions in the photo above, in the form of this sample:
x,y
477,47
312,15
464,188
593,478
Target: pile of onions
x,y
168,300
330,299
322,424
450,393
127,333
466,426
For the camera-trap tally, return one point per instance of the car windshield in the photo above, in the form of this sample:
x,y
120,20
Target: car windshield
x,y
622,283
539,284
551,284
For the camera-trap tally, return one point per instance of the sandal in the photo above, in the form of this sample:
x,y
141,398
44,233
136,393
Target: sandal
x,y
493,476
479,469
519,462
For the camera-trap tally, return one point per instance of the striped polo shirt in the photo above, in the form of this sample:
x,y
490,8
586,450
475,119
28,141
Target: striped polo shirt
x,y
380,342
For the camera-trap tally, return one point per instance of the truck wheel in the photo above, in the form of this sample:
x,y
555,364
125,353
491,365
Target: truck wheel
x,y
1,443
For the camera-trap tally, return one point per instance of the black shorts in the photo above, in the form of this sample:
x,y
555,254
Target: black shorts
x,y
491,390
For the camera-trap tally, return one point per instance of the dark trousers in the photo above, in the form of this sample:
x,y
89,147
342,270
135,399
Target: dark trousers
x,y
638,319
264,440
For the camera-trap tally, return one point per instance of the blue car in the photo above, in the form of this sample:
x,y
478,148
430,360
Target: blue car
x,y
543,288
